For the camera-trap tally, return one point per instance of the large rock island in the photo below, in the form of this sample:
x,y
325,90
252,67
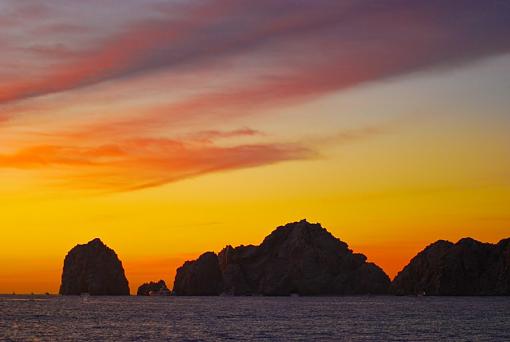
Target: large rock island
x,y
95,269
466,268
298,258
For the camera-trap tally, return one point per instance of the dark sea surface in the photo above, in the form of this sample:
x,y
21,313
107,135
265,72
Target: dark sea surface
x,y
54,318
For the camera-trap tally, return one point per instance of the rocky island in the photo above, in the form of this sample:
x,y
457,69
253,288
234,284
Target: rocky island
x,y
299,258
303,259
466,268
95,269
153,289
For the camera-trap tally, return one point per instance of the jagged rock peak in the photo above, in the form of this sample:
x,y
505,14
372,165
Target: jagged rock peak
x,y
302,232
96,241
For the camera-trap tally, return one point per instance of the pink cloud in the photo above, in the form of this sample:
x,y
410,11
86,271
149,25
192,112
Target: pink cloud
x,y
413,34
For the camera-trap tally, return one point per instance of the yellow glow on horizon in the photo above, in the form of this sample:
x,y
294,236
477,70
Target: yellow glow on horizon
x,y
387,194
155,230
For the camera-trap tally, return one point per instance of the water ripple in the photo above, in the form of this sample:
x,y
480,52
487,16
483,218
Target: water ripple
x,y
50,318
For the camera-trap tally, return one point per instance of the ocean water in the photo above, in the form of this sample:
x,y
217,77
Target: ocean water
x,y
378,318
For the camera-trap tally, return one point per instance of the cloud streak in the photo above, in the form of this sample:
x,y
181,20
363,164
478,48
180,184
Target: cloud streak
x,y
145,162
375,40
150,162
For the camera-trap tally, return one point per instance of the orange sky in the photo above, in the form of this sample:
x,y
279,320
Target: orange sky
x,y
169,129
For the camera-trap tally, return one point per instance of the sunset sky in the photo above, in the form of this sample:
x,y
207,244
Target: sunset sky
x,y
169,128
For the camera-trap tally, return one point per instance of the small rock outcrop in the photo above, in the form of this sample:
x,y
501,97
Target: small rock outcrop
x,y
95,269
298,258
466,268
153,289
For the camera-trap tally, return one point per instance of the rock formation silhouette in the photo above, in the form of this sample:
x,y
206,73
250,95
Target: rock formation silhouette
x,y
153,289
298,258
95,269
201,277
468,267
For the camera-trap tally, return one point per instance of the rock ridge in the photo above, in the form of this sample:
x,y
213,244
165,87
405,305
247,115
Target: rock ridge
x,y
299,258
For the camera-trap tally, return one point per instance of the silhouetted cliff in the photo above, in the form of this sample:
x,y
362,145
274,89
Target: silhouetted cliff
x,y
95,269
468,267
153,289
201,277
298,258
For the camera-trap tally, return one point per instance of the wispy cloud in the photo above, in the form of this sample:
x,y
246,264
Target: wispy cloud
x,y
352,42
145,162
149,162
